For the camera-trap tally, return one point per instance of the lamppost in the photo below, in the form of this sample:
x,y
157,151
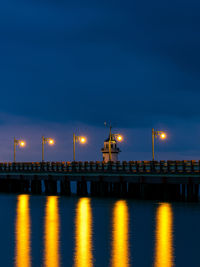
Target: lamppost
x,y
45,140
112,139
20,143
155,134
80,139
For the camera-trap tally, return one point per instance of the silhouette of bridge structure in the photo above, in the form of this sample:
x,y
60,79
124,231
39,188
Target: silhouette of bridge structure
x,y
163,180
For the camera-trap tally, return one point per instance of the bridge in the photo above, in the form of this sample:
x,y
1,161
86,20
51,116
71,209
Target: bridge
x,y
163,180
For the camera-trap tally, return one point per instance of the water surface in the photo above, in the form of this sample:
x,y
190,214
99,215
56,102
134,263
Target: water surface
x,y
54,231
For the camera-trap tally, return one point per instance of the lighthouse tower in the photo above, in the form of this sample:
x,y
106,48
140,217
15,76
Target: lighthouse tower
x,y
110,154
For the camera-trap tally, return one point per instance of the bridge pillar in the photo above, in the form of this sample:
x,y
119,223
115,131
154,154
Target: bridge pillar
x,y
3,185
116,189
152,191
100,188
78,188
50,187
103,189
172,192
23,185
175,192
9,185
161,192
36,187
123,189
101,192
190,192
14,186
65,188
82,188
93,188
143,190
97,187
183,192
133,190
196,192
109,189
106,189
26,186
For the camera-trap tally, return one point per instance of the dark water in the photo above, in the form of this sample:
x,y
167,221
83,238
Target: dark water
x,y
56,231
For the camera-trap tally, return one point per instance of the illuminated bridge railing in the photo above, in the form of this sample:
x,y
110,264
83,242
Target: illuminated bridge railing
x,y
163,180
101,167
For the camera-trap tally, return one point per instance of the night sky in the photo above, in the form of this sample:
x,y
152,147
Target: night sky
x,y
69,66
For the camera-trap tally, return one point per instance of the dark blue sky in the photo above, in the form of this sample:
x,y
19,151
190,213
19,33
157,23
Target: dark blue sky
x,y
71,65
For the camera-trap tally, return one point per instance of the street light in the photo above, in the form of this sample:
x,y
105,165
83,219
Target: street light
x,y
119,138
20,143
155,134
112,139
80,139
46,140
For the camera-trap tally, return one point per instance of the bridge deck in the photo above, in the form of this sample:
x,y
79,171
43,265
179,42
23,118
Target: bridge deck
x,y
140,171
140,179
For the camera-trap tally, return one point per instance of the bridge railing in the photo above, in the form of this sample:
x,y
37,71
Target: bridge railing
x,y
129,167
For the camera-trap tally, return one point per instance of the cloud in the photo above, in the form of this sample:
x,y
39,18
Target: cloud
x,y
63,64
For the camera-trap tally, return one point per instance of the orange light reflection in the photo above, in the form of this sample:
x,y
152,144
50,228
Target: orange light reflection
x,y
83,234
52,230
120,235
22,232
164,236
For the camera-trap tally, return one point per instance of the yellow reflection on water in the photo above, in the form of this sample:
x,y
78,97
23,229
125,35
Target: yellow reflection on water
x,y
83,234
52,230
120,232
164,236
22,232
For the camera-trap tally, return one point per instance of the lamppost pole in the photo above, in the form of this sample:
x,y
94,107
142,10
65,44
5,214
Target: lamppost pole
x,y
80,139
74,141
20,143
15,149
153,136
109,143
43,141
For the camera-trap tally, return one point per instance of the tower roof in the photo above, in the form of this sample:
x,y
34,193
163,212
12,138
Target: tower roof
x,y
112,139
